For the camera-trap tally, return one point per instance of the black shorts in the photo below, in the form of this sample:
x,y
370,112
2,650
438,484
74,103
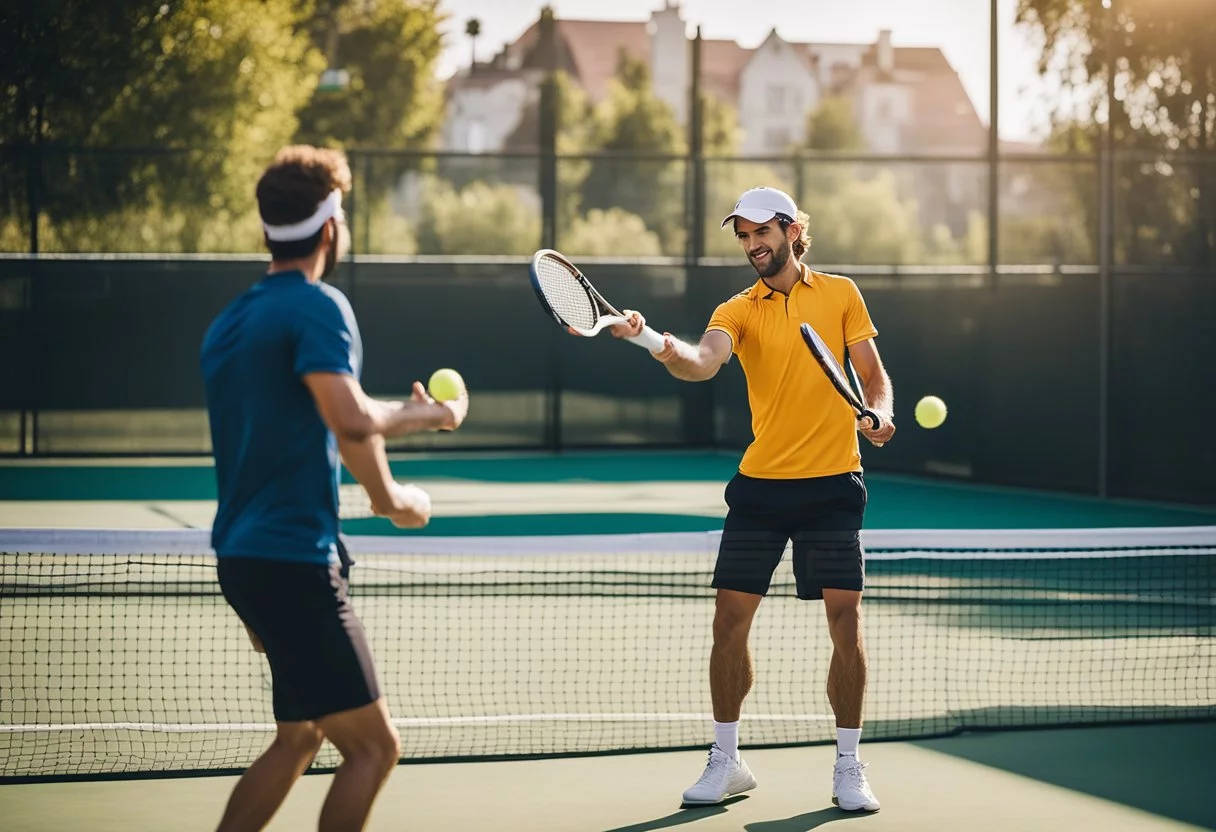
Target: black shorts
x,y
821,515
319,657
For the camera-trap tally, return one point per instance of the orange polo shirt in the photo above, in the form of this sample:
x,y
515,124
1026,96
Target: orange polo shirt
x,y
802,427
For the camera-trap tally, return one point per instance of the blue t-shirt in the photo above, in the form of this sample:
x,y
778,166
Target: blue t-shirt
x,y
276,463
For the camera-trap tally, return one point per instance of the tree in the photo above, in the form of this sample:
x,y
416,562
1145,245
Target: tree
x,y
632,119
390,50
211,85
472,29
479,219
1164,58
610,233
832,126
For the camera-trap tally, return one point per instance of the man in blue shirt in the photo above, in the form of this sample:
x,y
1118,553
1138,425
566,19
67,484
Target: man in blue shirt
x,y
281,367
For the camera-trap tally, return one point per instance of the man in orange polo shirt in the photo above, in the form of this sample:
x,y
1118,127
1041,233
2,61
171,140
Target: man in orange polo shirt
x,y
800,479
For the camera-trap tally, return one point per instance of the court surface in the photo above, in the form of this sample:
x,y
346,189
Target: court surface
x,y
1112,779
1103,778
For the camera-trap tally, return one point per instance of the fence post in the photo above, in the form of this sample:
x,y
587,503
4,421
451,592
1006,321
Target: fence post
x,y
1106,221
994,150
548,199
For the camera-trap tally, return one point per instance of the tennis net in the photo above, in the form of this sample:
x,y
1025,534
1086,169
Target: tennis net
x,y
119,656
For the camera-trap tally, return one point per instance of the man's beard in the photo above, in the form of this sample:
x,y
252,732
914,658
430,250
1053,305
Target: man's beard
x,y
774,263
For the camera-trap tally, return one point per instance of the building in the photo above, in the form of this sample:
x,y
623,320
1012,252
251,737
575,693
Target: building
x,y
906,100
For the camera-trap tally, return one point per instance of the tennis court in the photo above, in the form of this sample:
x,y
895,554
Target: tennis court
x,y
559,607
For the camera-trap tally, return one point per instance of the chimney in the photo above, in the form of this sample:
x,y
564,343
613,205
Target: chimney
x,y
886,53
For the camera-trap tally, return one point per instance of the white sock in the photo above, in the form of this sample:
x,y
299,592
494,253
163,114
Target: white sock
x,y
726,735
847,740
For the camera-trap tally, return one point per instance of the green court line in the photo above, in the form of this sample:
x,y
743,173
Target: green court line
x,y
895,501
500,525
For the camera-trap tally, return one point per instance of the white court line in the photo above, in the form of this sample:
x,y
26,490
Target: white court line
x,y
415,722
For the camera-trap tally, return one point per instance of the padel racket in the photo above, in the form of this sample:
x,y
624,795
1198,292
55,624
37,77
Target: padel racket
x,y
573,302
836,375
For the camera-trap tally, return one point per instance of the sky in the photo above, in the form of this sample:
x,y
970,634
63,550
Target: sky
x,y
959,27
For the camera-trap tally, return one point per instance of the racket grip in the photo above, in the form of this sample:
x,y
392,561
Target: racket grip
x,y
649,339
875,422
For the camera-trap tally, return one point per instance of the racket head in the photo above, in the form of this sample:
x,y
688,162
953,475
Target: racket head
x,y
835,373
566,294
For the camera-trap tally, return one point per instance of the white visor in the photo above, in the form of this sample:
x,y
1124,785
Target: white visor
x,y
331,206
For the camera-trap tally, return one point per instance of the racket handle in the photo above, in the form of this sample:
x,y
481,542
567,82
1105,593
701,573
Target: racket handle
x,y
649,339
875,422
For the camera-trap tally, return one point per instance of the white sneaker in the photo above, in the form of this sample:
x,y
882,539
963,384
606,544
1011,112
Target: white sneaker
x,y
723,776
850,791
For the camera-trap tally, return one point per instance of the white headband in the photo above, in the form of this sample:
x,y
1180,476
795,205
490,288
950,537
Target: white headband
x,y
302,230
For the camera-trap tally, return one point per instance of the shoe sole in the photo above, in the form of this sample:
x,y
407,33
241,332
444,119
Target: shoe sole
x,y
836,803
686,804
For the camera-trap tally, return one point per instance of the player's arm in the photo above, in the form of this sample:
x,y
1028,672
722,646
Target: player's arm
x,y
407,506
353,415
683,360
360,422
877,387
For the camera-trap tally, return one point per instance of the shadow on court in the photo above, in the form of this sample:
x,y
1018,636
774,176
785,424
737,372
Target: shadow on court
x,y
1164,769
680,817
804,822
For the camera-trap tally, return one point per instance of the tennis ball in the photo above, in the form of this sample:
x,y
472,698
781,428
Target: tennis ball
x,y
445,385
930,412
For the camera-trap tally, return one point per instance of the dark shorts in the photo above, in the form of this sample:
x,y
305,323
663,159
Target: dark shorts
x,y
821,515
319,658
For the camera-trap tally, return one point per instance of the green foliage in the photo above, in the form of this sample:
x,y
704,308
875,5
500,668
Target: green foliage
x,y
390,50
1164,54
224,77
721,133
866,222
633,119
832,126
611,233
478,219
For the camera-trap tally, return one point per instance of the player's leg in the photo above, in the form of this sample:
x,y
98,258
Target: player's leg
x,y
265,784
731,669
829,564
350,711
264,596
751,548
370,748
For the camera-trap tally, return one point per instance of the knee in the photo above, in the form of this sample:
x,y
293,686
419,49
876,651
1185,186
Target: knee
x,y
845,626
383,751
301,742
730,625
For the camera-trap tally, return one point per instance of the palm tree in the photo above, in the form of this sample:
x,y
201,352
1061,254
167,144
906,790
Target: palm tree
x,y
473,29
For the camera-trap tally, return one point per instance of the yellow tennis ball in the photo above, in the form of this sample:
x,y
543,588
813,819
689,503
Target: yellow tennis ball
x,y
445,385
930,412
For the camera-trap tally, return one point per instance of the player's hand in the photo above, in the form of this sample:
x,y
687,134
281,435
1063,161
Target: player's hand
x,y
669,350
255,641
634,323
411,507
454,411
877,436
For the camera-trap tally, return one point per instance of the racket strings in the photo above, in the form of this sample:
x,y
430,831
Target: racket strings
x,y
566,295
